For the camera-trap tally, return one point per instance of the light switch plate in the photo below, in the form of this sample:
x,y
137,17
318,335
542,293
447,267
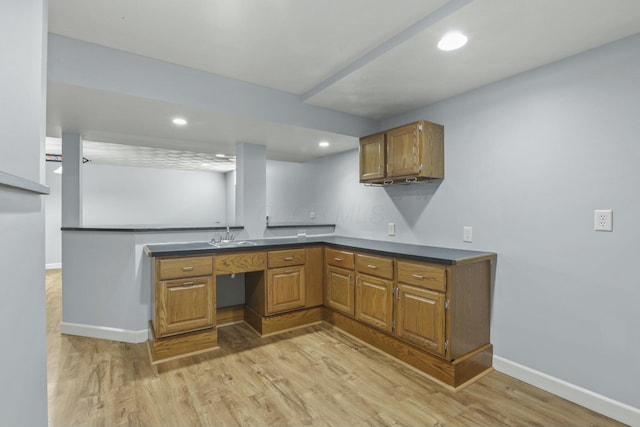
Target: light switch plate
x,y
467,234
392,229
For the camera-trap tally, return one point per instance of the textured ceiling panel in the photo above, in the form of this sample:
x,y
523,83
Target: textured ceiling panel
x,y
129,155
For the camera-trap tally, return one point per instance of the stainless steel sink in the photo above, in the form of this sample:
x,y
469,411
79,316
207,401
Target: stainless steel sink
x,y
232,243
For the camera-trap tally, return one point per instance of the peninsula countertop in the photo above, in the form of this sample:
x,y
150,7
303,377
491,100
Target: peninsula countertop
x,y
432,254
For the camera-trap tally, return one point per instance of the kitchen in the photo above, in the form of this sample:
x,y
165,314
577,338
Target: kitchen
x,y
528,160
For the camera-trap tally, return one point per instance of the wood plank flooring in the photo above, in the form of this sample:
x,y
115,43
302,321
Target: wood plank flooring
x,y
316,376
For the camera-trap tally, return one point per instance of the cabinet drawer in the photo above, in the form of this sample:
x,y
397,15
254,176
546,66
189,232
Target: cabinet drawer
x,y
342,259
175,268
422,275
240,262
285,258
375,266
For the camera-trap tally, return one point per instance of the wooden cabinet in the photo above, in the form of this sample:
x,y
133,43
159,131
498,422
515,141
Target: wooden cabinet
x,y
411,152
372,157
183,295
339,278
374,291
339,293
374,301
185,305
420,318
285,281
421,304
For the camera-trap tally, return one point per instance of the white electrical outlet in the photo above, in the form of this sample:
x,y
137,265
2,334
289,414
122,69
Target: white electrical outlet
x,y
392,229
603,220
467,234
312,214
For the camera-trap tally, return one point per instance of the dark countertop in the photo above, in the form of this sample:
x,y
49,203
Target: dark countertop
x,y
298,225
436,255
152,228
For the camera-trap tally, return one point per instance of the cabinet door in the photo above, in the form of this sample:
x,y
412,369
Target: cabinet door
x,y
403,151
420,318
285,289
339,290
372,157
374,301
185,305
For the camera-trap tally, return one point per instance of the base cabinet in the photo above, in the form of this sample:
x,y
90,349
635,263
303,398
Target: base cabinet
x,y
374,301
420,318
185,305
339,290
285,289
287,293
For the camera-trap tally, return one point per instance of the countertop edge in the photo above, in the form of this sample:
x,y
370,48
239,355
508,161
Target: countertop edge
x,y
310,225
150,229
480,256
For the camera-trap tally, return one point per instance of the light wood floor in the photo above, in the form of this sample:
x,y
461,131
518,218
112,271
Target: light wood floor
x,y
312,376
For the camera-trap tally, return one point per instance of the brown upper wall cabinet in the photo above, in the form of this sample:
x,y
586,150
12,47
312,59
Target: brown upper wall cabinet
x,y
408,153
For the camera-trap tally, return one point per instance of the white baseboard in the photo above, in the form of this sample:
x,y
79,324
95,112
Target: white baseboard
x,y
104,333
611,408
53,266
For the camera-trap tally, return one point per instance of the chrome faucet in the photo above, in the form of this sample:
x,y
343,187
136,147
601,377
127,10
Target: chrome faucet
x,y
226,237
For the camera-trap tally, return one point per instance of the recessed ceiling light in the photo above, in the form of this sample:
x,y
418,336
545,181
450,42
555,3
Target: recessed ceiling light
x,y
323,144
452,41
219,155
179,121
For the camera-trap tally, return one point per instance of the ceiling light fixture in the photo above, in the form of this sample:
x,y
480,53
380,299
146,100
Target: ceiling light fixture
x,y
452,41
220,156
179,121
323,144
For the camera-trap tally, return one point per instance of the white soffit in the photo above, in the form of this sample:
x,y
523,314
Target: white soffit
x,y
132,121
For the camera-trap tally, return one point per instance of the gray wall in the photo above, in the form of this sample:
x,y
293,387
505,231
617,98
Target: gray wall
x,y
23,376
124,195
117,195
290,192
527,161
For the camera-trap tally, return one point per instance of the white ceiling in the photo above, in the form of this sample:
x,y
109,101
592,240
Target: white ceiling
x,y
369,58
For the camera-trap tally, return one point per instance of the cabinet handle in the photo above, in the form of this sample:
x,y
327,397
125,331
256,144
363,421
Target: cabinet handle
x,y
357,281
350,281
417,276
337,259
187,285
187,268
289,258
371,266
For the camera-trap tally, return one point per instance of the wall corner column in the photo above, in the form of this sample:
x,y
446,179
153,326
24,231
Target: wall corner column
x,y
71,180
251,188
